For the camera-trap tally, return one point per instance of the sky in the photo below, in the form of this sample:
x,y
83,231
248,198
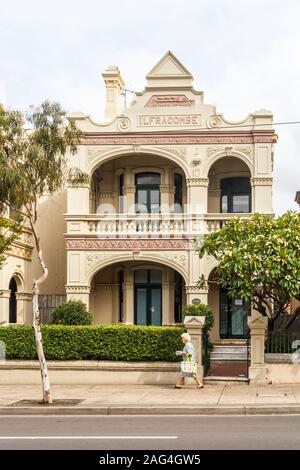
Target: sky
x,y
244,55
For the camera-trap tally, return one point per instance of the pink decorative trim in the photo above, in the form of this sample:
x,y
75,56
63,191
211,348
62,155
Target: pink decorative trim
x,y
161,138
165,101
127,244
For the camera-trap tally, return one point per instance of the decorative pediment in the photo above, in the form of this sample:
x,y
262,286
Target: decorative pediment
x,y
257,321
169,72
169,66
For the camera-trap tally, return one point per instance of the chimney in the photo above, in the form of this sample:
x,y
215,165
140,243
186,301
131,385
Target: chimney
x,y
114,84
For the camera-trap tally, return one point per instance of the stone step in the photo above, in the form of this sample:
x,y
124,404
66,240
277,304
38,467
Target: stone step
x,y
228,357
230,348
219,380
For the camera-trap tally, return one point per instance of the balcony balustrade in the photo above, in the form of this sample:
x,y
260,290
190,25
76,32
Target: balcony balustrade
x,y
117,225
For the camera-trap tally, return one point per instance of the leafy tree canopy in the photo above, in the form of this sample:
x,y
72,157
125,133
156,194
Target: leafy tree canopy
x,y
259,260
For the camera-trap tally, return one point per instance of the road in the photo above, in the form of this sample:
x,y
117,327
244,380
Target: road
x,y
149,432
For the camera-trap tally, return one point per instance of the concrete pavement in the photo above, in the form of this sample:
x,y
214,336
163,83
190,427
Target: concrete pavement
x,y
154,399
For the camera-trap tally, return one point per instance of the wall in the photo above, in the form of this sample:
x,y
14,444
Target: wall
x,y
51,227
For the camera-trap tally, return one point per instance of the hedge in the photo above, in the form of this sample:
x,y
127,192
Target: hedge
x,y
99,342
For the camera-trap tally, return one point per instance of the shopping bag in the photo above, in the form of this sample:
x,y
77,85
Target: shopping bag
x,y
188,367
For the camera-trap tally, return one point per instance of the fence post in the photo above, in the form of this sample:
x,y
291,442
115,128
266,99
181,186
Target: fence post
x,y
194,327
258,369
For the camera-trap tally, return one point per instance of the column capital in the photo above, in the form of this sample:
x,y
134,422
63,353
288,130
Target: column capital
x,y
78,289
24,296
130,189
258,181
195,181
5,293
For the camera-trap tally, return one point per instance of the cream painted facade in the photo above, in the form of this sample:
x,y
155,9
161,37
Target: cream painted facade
x,y
164,170
16,282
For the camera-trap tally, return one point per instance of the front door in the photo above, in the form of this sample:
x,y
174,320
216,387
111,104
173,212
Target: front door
x,y
233,316
148,297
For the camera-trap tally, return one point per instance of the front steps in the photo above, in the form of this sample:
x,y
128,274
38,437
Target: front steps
x,y
229,362
229,352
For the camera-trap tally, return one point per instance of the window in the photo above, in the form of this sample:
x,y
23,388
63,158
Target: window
x,y
235,195
121,193
147,197
178,192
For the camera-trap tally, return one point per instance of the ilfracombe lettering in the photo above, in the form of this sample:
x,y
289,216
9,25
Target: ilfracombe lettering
x,y
168,120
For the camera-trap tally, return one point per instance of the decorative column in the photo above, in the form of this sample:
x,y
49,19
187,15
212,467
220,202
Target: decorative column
x,y
197,195
165,198
258,327
194,327
4,306
129,199
115,303
24,307
262,195
81,293
128,298
192,293
166,320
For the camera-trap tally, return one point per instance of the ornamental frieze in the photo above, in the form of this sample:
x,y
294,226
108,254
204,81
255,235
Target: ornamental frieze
x,y
165,101
124,244
213,149
210,137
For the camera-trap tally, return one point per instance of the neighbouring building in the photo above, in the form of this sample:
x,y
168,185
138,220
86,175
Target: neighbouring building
x,y
297,198
164,170
16,280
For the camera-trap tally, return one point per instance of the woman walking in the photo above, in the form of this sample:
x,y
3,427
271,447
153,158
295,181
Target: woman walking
x,y
188,367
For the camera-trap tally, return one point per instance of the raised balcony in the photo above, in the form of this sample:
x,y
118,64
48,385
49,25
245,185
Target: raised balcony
x,y
139,225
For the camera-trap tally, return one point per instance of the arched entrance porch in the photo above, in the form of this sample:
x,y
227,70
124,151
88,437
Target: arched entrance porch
x,y
142,293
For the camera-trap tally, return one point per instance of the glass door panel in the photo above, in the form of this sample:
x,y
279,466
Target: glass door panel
x,y
142,201
141,304
155,305
237,317
154,202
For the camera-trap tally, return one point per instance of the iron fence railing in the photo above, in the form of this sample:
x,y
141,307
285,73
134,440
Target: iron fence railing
x,y
281,342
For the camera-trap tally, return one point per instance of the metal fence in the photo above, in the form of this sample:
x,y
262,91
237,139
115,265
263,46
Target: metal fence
x,y
47,303
281,342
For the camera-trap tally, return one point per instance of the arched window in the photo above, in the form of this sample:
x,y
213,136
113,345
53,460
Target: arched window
x,y
13,301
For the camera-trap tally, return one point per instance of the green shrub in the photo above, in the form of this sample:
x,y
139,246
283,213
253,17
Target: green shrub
x,y
71,313
199,310
98,342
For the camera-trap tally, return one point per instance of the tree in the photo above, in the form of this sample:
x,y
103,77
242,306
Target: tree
x,y
34,164
259,261
9,232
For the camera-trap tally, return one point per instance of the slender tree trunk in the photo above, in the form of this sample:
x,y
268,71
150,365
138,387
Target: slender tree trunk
x,y
36,321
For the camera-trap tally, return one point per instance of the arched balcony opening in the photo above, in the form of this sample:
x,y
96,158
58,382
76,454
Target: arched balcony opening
x,y
144,194
140,293
229,191
116,185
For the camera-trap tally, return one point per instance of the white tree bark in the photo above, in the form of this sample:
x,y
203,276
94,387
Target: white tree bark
x,y
36,321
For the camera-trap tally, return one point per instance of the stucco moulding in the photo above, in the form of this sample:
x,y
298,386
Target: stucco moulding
x,y
168,100
184,138
128,244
